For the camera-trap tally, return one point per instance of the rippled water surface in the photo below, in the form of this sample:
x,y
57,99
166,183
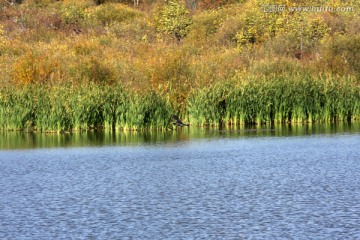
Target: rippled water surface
x,y
261,183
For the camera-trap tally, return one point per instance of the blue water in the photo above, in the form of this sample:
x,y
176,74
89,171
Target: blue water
x,y
223,187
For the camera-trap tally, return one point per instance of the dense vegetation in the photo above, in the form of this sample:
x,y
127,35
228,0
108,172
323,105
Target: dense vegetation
x,y
80,64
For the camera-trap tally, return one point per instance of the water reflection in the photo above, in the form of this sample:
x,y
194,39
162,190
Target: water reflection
x,y
258,182
21,140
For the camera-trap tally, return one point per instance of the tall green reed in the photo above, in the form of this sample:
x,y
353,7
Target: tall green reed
x,y
90,106
239,100
275,99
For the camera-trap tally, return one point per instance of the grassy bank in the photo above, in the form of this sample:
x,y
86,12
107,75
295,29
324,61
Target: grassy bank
x,y
82,64
237,101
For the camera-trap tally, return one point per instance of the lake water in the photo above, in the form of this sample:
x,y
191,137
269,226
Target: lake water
x,y
299,182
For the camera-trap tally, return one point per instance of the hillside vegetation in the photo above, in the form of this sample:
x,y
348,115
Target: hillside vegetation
x,y
82,64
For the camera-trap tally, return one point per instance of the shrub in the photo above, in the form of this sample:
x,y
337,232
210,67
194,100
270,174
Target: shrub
x,y
73,12
96,71
228,30
109,13
33,68
173,19
255,24
342,55
316,29
205,25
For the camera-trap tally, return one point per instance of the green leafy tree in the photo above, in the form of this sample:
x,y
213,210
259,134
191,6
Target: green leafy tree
x,y
173,19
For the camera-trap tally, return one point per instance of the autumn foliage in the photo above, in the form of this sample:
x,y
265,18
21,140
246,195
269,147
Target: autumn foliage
x,y
174,53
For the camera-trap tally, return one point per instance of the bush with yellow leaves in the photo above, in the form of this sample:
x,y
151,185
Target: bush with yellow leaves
x,y
33,68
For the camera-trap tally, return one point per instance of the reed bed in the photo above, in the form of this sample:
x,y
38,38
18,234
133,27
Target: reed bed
x,y
68,108
250,100
276,99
